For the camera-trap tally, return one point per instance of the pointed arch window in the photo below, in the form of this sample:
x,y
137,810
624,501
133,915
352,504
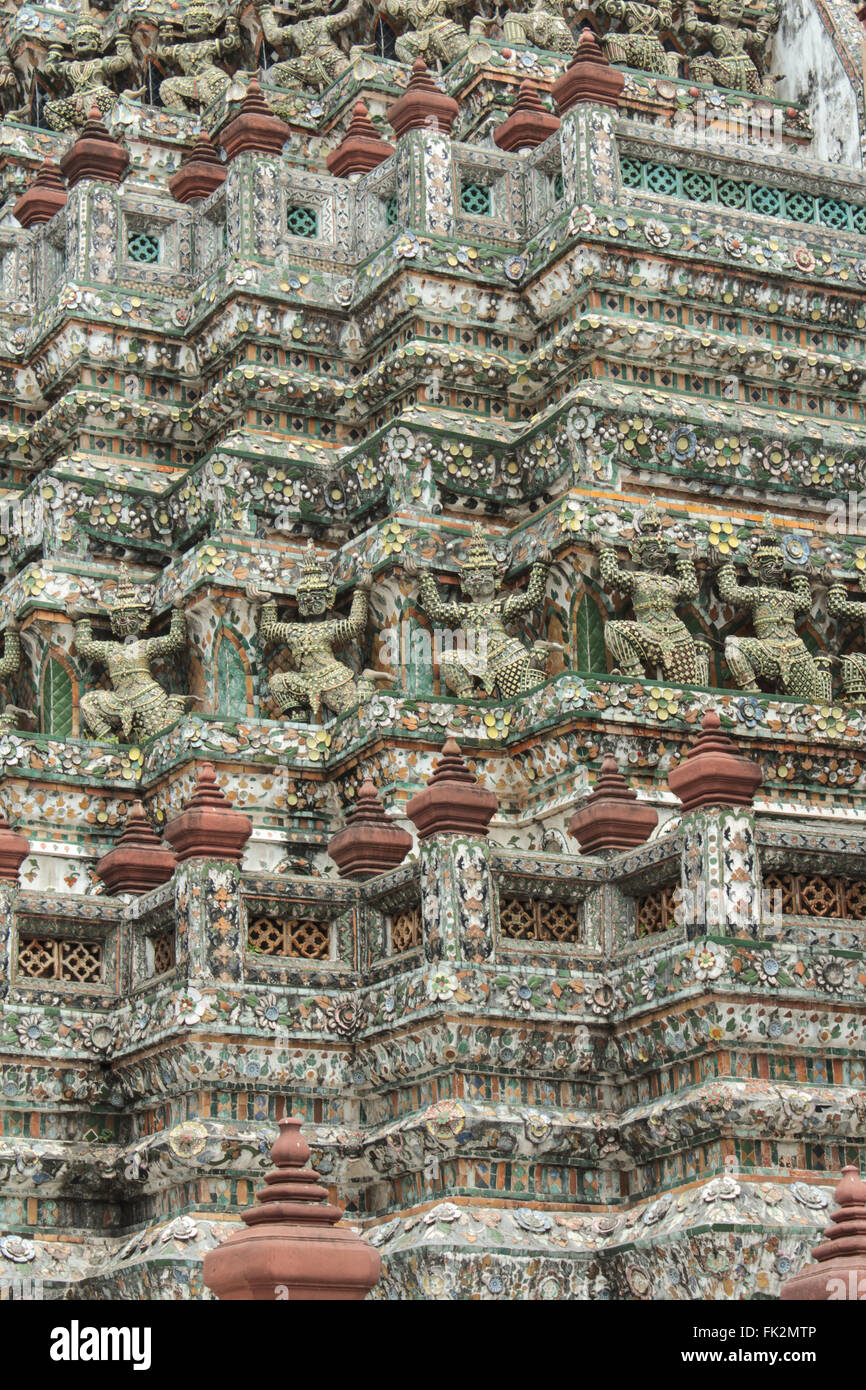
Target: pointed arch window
x,y
384,40
230,696
57,702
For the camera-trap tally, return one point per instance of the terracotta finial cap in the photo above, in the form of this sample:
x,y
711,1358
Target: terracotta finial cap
x,y
95,154
612,818
201,171
292,1240
452,799
589,77
529,124
209,827
840,1268
14,849
361,148
255,127
369,844
422,105
45,196
714,773
139,861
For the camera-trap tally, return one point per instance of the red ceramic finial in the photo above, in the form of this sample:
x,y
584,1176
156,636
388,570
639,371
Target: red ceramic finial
x,y
361,148
452,799
589,77
423,105
369,844
529,124
292,1247
840,1271
95,154
201,172
139,860
14,849
209,827
612,818
714,773
255,127
45,196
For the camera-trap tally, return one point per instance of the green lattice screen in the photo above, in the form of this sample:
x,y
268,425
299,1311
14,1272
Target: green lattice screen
x,y
56,700
391,211
231,691
700,187
475,198
302,222
143,247
558,186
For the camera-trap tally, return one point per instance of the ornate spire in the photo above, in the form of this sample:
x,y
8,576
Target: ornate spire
x,y
293,1240
139,860
127,595
201,171
209,827
452,799
255,127
95,154
840,1269
478,555
44,198
612,818
313,577
423,105
529,124
361,148
714,773
369,844
589,78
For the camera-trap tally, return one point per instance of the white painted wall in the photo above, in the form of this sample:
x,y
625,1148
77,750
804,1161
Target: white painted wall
x,y
813,73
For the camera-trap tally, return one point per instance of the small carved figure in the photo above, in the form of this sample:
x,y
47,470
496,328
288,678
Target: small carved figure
x,y
428,30
321,60
196,56
492,659
639,46
657,637
86,73
543,26
320,680
776,653
738,51
853,664
137,705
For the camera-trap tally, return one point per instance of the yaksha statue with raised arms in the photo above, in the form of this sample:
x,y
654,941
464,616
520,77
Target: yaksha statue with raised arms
x,y
428,30
542,25
656,637
321,60
319,680
777,653
86,73
737,56
136,706
197,58
493,660
839,605
639,45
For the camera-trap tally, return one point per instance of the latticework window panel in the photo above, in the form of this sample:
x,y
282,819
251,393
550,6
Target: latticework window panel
x,y
163,952
655,910
295,937
406,930
55,958
143,247
699,187
815,895
476,198
538,919
302,222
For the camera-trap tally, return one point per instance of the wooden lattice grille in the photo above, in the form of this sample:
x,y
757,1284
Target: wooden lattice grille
x,y
50,958
295,937
406,931
539,919
815,895
163,952
655,910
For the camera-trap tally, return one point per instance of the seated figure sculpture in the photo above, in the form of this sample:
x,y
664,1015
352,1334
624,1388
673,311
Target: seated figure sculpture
x,y
86,73
203,82
777,653
853,663
734,49
639,45
136,706
319,680
656,637
429,32
493,660
321,60
544,26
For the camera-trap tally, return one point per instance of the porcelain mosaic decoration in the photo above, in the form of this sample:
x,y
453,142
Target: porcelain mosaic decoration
x,y
553,445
